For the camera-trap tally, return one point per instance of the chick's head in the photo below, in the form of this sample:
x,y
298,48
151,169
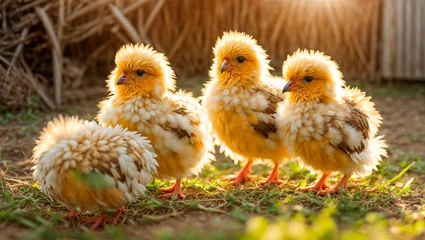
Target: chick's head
x,y
237,58
311,76
141,71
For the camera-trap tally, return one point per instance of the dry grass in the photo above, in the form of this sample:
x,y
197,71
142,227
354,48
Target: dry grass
x,y
59,41
15,91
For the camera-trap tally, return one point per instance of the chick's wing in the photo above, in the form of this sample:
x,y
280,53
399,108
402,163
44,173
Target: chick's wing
x,y
266,123
353,142
185,115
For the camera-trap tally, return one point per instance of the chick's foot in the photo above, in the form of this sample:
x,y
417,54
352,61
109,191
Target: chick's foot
x,y
243,175
273,178
72,214
319,186
176,189
342,185
168,189
114,219
97,221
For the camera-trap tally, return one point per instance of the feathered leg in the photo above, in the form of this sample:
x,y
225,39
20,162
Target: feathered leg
x,y
175,189
274,177
319,186
341,185
243,175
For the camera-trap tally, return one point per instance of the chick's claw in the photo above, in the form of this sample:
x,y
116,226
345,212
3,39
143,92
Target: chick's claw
x,y
101,219
172,194
319,186
72,214
238,179
175,189
313,188
97,221
329,192
243,175
114,219
272,181
273,178
168,189
341,186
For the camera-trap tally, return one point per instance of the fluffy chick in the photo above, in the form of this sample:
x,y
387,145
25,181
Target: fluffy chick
x,y
83,165
141,99
241,103
330,126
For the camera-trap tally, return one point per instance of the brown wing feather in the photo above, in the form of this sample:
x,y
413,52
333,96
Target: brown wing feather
x,y
181,110
344,147
273,100
263,128
358,120
180,133
105,168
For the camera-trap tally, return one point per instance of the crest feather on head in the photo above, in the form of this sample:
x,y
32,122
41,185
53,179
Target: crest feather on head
x,y
233,43
132,57
303,61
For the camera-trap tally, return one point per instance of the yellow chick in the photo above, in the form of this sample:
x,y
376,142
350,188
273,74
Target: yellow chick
x,y
241,102
330,126
83,165
141,99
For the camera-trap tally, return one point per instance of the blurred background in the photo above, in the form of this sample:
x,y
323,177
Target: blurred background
x,y
62,50
56,54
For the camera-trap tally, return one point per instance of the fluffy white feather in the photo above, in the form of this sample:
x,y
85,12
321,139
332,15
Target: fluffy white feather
x,y
70,151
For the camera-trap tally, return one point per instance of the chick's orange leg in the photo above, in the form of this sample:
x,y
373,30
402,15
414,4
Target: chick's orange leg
x,y
72,214
176,189
97,221
274,177
319,186
114,219
243,175
341,185
169,189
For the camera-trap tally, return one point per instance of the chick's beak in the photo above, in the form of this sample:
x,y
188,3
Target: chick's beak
x,y
122,79
224,65
289,86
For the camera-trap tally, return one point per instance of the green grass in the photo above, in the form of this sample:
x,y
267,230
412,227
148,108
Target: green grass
x,y
28,120
360,213
387,204
369,207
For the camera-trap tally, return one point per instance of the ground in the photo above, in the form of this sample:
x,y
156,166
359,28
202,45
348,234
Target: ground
x,y
387,203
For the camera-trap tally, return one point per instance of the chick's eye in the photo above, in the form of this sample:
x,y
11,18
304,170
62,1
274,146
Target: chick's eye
x,y
308,78
240,59
140,72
